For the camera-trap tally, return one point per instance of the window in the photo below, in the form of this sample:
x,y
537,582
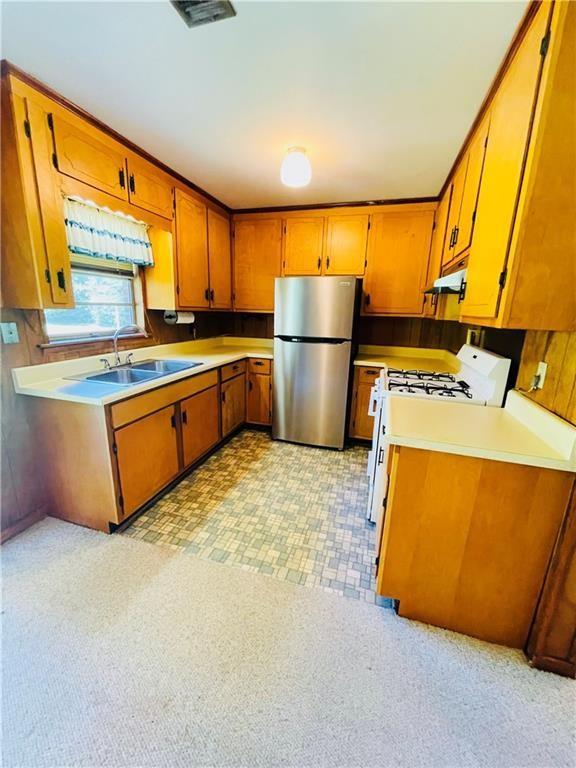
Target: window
x,y
104,302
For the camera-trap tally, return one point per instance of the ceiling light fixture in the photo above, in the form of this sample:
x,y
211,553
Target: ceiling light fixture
x,y
295,170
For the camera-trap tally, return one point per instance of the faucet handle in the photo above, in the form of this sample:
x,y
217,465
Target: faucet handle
x,y
129,357
106,363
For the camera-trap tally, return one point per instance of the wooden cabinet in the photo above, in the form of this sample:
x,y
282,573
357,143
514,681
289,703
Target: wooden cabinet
x,y
398,253
257,261
346,239
439,232
147,457
149,188
303,246
35,259
511,114
219,261
200,418
191,252
86,154
233,406
456,194
259,392
475,162
361,423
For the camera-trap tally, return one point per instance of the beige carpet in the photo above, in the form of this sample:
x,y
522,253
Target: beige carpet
x,y
120,653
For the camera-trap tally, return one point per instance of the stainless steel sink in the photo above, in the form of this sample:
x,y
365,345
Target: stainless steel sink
x,y
123,376
163,366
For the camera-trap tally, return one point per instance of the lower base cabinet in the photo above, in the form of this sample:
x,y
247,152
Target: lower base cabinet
x,y
361,423
233,399
199,416
147,457
259,399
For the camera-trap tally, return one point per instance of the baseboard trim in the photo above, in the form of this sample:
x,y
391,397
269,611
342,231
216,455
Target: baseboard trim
x,y
21,525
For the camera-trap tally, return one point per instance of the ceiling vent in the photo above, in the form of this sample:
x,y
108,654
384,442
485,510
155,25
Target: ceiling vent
x,y
198,12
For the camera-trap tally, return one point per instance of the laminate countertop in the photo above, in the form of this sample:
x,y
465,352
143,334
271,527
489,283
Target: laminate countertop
x,y
53,380
521,433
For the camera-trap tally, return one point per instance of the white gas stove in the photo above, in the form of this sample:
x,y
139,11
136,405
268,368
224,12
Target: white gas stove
x,y
480,380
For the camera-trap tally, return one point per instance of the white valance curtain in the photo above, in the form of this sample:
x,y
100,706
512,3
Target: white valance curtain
x,y
105,234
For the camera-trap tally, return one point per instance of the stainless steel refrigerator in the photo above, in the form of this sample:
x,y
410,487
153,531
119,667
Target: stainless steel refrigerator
x,y
313,320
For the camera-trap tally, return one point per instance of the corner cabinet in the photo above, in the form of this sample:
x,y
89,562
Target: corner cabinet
x,y
259,391
233,397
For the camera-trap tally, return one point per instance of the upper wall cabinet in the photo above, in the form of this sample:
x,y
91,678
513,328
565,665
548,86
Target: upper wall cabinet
x,y
346,239
398,252
35,260
439,232
522,265
192,252
219,260
84,153
257,262
149,188
303,246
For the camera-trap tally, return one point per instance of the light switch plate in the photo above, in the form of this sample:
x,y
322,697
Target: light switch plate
x,y
9,333
541,373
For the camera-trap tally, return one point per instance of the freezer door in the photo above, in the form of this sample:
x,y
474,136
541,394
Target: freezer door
x,y
310,391
317,307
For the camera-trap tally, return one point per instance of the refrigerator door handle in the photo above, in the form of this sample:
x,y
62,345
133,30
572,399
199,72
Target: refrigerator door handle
x,y
311,340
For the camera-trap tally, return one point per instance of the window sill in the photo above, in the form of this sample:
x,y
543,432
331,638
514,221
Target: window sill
x,y
90,339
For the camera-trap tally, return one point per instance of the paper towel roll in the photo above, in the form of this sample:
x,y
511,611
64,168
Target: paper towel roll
x,y
172,317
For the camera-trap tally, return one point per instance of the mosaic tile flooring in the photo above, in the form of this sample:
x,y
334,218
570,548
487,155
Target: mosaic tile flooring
x,y
289,511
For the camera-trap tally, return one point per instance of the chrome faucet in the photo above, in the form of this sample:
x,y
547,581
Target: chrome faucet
x,y
131,327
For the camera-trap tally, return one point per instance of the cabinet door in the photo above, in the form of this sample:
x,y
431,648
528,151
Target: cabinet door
x,y
502,174
463,235
86,155
303,244
259,399
147,455
200,424
361,425
191,252
220,261
454,214
233,404
149,188
346,238
257,257
436,249
398,252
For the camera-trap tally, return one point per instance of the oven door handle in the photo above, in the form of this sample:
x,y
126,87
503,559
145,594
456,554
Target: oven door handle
x,y
374,400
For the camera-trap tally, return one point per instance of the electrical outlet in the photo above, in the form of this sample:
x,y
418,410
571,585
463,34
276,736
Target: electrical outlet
x,y
541,374
9,333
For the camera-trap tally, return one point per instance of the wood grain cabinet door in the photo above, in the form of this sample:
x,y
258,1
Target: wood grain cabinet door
x,y
437,249
457,187
361,424
398,252
220,261
147,456
257,261
303,246
149,188
193,290
463,235
346,239
233,396
259,398
199,415
510,122
86,155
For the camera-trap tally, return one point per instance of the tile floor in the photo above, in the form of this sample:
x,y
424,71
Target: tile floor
x,y
288,511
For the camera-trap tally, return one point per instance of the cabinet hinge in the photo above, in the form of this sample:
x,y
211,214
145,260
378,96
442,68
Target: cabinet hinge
x,y
369,224
365,263
502,278
486,141
377,561
54,160
433,225
284,228
47,276
177,289
27,129
114,449
473,216
545,44
50,122
284,264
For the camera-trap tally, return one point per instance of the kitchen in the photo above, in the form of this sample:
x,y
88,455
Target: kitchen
x,y
374,399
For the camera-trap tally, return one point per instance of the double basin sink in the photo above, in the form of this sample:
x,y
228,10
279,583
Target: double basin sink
x,y
137,372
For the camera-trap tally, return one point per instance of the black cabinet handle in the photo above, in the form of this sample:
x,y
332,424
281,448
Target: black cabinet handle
x,y
319,263
462,292
121,178
132,183
258,362
456,230
173,421
250,385
207,294
371,373
327,262
234,367
184,417
367,299
223,397
61,279
212,295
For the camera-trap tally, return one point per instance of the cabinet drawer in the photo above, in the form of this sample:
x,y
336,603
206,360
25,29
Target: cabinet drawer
x,y
368,375
259,365
233,369
135,407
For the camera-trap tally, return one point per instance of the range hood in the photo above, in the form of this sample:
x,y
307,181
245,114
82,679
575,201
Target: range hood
x,y
455,282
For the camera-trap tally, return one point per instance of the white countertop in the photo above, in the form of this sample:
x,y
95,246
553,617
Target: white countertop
x,y
51,379
521,433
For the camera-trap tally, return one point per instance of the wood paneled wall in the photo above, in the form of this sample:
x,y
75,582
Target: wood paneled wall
x,y
558,349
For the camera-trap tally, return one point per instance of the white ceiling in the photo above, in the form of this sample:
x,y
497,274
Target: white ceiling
x,y
380,93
